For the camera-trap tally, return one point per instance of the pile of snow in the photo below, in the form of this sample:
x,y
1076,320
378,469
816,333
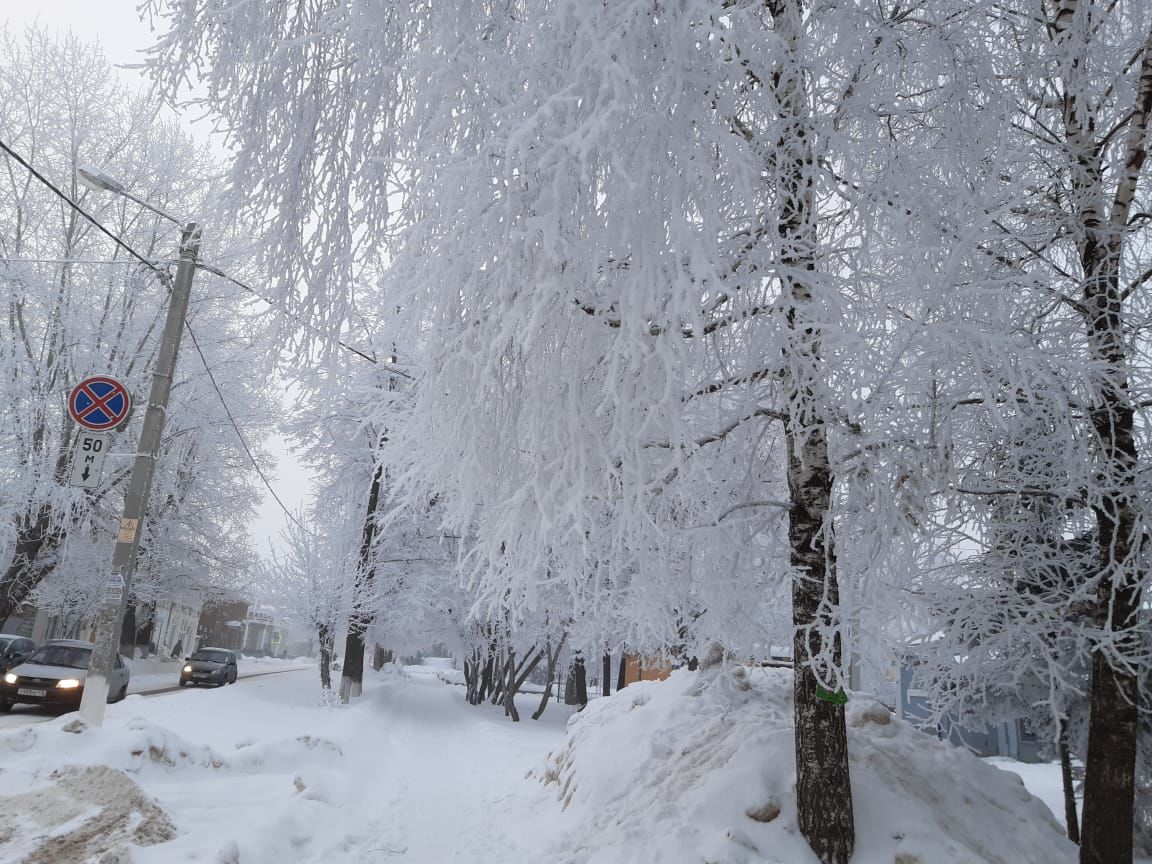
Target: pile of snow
x,y
79,815
274,662
133,747
701,768
439,662
86,794
441,668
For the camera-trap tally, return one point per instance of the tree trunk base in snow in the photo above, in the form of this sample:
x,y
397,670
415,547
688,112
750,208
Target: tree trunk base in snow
x,y
1070,817
349,689
1110,769
826,818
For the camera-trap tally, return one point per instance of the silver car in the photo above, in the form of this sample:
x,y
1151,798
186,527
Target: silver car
x,y
54,677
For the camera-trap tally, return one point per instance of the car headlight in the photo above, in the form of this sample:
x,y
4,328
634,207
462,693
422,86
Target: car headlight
x,y
10,678
68,683
188,668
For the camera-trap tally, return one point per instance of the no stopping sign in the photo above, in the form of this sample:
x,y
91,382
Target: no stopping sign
x,y
99,402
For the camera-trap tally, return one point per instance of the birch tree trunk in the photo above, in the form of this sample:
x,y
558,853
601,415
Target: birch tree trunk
x,y
1102,225
823,789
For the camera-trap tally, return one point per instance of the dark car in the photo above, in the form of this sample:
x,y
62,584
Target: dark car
x,y
14,650
54,676
209,666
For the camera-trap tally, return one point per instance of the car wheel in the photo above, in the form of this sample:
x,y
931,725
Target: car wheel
x,y
123,694
5,706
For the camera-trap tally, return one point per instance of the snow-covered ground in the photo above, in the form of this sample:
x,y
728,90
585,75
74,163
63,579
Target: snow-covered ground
x,y
687,770
260,772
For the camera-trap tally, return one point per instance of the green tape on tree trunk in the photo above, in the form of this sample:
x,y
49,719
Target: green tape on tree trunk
x,y
837,698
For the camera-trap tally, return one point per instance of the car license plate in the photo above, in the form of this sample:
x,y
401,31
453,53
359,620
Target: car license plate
x,y
28,692
200,675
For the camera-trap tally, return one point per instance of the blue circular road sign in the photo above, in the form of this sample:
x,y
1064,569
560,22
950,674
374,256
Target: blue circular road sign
x,y
99,403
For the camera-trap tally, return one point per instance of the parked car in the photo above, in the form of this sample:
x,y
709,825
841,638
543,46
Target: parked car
x,y
14,650
209,666
54,676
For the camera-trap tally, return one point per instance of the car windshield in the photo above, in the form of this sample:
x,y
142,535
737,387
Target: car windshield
x,y
62,655
211,656
4,644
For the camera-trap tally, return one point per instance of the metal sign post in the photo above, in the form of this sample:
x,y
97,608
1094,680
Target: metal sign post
x,y
110,621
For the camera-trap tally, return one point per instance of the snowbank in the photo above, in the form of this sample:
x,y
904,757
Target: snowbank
x,y
701,768
275,662
80,815
440,668
86,794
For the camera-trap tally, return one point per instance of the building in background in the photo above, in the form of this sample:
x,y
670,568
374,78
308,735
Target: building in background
x,y
221,624
175,622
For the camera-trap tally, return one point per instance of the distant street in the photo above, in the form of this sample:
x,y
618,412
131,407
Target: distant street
x,y
146,685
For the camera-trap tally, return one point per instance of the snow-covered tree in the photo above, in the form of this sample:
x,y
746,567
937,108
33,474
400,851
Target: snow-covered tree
x,y
1060,512
713,300
76,304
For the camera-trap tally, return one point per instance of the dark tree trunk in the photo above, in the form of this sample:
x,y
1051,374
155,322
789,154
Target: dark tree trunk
x,y
1106,831
472,676
510,689
622,673
378,657
516,676
1070,817
33,560
485,678
823,791
499,679
324,635
606,675
352,676
128,628
580,679
823,788
553,658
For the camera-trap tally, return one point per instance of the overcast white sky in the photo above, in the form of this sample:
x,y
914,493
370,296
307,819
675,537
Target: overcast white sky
x,y
115,26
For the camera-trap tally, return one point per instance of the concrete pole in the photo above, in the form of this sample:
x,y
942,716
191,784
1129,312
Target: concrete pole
x,y
110,620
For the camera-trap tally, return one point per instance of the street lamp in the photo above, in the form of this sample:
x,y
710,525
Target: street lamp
x,y
110,620
96,179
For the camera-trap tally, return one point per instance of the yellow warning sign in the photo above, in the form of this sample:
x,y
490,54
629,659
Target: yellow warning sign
x,y
127,530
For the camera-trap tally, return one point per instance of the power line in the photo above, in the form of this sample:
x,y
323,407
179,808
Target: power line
x,y
216,271
236,427
163,274
108,261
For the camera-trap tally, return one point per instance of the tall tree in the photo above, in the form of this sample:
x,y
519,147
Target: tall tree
x,y
75,304
678,274
1105,123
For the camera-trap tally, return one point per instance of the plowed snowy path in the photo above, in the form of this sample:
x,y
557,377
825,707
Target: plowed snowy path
x,y
261,774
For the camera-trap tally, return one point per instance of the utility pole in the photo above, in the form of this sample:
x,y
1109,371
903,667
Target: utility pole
x,y
110,620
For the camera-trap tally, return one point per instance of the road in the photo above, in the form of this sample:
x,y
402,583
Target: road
x,y
149,686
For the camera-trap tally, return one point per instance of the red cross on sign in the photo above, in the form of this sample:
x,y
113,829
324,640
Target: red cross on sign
x,y
99,403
